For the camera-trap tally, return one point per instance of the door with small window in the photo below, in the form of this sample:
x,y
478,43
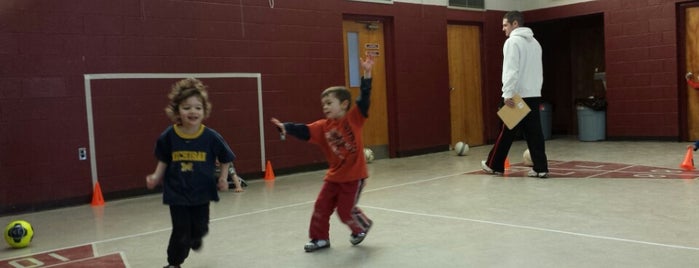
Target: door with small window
x,y
362,37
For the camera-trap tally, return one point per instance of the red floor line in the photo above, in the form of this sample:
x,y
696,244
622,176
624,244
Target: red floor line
x,y
563,169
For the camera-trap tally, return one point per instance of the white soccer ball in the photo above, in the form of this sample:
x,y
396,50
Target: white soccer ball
x,y
527,159
368,155
461,148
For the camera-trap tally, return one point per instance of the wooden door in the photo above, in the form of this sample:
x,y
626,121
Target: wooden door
x,y
692,65
463,43
361,37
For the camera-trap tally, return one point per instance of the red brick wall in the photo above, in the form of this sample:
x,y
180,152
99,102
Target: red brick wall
x,y
641,51
421,86
641,64
47,46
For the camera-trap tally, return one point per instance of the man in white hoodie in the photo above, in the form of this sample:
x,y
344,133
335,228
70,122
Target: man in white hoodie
x,y
522,73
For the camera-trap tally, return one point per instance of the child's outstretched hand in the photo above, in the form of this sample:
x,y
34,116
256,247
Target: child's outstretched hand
x,y
367,64
280,126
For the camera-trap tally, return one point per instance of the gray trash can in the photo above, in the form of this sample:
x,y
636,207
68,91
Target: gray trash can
x,y
545,112
591,124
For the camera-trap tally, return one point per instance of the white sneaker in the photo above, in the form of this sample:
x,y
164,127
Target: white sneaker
x,y
316,244
489,170
535,174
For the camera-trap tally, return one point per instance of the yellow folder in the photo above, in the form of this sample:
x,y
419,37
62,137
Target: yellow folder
x,y
512,115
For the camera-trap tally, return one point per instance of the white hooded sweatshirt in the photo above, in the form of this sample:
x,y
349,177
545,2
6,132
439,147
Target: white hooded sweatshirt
x,y
522,71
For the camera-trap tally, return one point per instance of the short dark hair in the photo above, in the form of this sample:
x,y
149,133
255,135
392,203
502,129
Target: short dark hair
x,y
513,16
339,92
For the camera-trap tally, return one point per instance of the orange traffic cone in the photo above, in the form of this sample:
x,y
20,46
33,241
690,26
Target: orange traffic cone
x,y
507,163
269,173
688,163
97,199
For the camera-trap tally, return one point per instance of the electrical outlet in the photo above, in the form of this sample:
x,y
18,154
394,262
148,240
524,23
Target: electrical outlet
x,y
82,153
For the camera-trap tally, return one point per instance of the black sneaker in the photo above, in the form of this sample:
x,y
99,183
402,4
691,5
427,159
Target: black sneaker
x,y
171,266
355,239
316,244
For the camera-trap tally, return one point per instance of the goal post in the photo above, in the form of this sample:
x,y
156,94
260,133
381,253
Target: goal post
x,y
88,78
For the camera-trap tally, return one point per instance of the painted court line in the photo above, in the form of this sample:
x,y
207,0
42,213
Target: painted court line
x,y
116,259
212,220
403,212
610,171
599,170
77,256
273,209
535,228
414,182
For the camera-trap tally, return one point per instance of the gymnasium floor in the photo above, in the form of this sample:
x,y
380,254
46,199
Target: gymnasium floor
x,y
607,204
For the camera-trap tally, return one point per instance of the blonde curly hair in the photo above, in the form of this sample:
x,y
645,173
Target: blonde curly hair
x,y
182,90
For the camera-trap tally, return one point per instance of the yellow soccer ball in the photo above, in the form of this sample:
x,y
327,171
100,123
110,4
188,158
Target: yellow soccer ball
x,y
18,234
